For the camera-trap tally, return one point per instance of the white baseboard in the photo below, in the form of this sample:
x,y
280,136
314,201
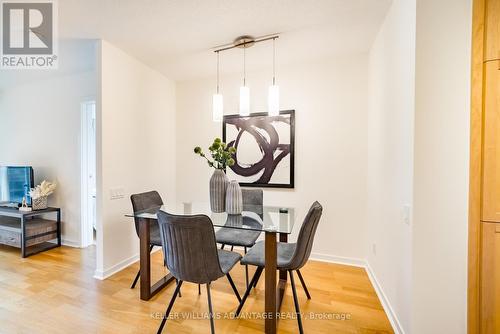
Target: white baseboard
x,y
71,243
349,261
393,319
389,311
102,275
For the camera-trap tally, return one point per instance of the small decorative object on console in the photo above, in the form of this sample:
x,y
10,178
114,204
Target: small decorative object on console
x,y
24,206
40,194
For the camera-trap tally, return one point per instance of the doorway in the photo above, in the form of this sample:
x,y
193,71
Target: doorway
x,y
88,172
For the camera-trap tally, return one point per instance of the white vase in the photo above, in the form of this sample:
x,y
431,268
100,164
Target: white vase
x,y
234,199
218,185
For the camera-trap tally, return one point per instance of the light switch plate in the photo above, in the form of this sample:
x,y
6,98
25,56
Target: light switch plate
x,y
406,214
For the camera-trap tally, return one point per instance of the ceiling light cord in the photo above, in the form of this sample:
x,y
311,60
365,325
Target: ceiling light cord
x,y
217,101
244,65
274,61
217,72
274,94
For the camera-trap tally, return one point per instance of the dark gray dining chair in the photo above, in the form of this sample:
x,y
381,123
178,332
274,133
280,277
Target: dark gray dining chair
x,y
150,200
243,238
191,255
291,257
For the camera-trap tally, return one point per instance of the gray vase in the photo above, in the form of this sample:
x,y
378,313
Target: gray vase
x,y
234,199
218,186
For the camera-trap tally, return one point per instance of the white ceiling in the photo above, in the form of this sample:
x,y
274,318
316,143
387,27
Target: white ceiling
x,y
176,37
76,56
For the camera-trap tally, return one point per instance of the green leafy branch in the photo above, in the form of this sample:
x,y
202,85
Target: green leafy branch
x,y
222,156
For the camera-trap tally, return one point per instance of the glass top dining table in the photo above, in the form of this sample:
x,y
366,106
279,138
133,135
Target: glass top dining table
x,y
253,217
273,220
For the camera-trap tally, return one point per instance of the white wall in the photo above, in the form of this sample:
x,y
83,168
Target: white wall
x,y
418,136
330,102
40,126
136,149
441,166
390,157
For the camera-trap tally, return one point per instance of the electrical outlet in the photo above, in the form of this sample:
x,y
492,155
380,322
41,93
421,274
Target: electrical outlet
x,y
116,193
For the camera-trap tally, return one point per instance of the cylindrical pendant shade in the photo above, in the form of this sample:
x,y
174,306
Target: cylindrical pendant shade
x,y
273,101
244,101
218,108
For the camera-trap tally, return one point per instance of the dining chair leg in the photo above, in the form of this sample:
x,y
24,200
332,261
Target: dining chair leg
x,y
222,246
139,272
177,282
199,289
303,284
247,292
246,270
136,279
169,308
296,302
234,287
257,280
210,312
232,247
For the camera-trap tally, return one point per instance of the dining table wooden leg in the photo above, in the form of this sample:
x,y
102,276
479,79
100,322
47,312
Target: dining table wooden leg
x,y
270,282
148,290
145,259
283,276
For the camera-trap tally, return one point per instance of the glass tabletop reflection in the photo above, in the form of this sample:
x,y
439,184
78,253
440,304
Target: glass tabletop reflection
x,y
253,217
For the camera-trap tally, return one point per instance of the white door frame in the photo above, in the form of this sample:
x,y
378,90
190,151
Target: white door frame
x,y
87,114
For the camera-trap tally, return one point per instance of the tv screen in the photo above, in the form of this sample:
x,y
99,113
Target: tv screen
x,y
15,183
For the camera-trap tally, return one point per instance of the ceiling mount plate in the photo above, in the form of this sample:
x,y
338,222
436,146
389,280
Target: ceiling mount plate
x,y
244,42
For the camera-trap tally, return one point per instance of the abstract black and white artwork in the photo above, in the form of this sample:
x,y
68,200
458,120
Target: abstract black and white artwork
x,y
264,149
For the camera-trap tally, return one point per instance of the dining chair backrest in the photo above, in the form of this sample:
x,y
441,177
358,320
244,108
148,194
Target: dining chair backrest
x,y
150,200
306,237
252,196
189,247
253,200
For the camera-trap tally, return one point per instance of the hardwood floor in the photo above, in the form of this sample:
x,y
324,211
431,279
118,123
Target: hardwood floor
x,y
54,292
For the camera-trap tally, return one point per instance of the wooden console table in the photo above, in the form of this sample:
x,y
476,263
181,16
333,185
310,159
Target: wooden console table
x,y
29,231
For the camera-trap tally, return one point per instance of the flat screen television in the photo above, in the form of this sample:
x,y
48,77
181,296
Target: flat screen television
x,y
15,183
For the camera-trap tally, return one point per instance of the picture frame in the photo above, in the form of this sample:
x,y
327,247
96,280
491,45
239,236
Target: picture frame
x,y
265,147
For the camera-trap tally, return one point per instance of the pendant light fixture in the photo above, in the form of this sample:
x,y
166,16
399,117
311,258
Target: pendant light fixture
x,y
245,42
273,99
217,102
244,90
